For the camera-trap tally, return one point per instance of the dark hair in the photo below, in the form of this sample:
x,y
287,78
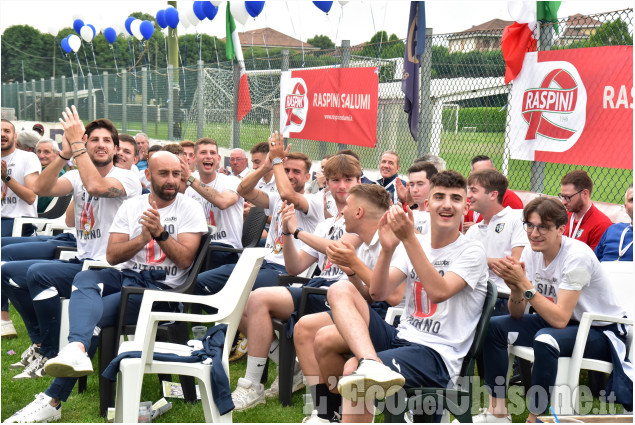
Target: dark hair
x,y
342,165
579,179
5,120
348,152
103,123
129,139
154,148
205,141
550,210
174,148
262,147
490,180
449,179
479,158
187,144
302,157
427,167
373,193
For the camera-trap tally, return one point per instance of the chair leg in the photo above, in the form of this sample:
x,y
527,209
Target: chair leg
x,y
129,381
286,368
107,351
179,333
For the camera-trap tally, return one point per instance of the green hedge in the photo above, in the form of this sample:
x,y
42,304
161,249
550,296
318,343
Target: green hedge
x,y
490,120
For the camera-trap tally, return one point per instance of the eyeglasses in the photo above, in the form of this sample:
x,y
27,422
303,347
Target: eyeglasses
x,y
529,228
237,159
568,197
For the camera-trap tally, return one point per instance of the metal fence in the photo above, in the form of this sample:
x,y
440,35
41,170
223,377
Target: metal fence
x,y
463,100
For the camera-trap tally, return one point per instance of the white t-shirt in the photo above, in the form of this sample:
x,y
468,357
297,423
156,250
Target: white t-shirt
x,y
422,221
331,206
228,222
267,187
333,230
307,222
93,216
575,268
143,179
19,164
447,327
184,215
504,232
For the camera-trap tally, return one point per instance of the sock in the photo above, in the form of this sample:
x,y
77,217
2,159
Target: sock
x,y
274,352
325,402
255,367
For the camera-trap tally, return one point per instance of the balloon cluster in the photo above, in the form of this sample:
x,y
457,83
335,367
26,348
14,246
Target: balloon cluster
x,y
187,16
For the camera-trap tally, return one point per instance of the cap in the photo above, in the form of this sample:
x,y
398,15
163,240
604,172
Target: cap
x,y
39,128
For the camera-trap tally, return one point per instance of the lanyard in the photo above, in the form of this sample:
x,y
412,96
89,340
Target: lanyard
x,y
575,232
623,251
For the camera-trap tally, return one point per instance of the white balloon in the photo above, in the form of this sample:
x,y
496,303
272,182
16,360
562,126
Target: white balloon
x,y
239,12
87,33
217,2
342,2
77,16
191,16
183,18
135,28
75,42
53,30
522,12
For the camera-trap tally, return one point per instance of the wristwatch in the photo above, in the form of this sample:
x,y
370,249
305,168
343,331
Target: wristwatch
x,y
189,181
295,234
162,237
529,294
6,179
276,161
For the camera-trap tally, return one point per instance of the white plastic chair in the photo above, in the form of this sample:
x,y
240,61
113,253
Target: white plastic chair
x,y
40,223
565,395
230,303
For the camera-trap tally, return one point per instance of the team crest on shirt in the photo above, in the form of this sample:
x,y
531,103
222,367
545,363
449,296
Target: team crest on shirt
x,y
579,233
499,227
87,218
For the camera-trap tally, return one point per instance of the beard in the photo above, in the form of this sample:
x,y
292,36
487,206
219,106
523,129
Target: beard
x,y
9,144
160,191
100,162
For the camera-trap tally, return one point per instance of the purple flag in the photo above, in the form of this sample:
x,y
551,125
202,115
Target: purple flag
x,y
415,45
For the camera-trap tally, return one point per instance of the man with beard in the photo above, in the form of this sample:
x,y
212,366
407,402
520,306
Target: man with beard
x,y
35,286
155,238
217,194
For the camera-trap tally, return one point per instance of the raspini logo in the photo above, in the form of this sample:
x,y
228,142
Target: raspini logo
x,y
546,109
296,105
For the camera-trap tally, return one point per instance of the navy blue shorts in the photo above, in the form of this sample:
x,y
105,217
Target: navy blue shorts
x,y
315,303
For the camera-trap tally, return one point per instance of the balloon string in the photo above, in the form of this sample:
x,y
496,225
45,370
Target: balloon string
x,y
97,70
216,50
267,49
372,16
183,67
339,24
294,32
114,56
165,45
198,43
148,67
81,70
85,57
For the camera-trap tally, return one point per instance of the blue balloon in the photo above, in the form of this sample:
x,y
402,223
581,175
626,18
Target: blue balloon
x,y
77,25
255,7
198,10
66,46
92,27
161,19
209,9
129,20
172,17
324,6
147,29
110,34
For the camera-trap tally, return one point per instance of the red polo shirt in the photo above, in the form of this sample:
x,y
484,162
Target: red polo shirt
x,y
594,224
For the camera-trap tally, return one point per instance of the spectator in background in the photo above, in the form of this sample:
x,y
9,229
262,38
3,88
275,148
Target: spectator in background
x,y
127,153
142,175
319,182
419,176
46,151
437,161
177,150
388,169
352,153
586,223
190,156
143,144
617,242
27,140
239,163
39,128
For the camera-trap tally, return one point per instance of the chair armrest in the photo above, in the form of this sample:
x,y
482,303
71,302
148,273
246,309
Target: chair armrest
x,y
392,313
225,249
60,249
97,264
288,280
18,222
66,255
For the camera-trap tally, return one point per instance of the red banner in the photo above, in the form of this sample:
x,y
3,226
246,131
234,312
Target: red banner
x,y
574,107
337,105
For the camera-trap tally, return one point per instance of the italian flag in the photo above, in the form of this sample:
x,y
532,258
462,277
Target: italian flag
x,y
518,37
233,50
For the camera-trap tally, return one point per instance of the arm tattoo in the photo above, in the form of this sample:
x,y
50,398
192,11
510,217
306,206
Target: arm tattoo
x,y
113,192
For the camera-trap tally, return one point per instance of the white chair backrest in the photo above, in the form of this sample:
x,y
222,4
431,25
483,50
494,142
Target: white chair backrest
x,y
622,275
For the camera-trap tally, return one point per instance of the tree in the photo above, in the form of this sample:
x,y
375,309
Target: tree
x,y
321,41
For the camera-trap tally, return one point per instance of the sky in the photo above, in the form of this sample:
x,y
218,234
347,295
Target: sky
x,y
358,20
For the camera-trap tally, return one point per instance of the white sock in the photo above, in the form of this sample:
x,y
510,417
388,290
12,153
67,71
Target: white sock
x,y
274,352
255,367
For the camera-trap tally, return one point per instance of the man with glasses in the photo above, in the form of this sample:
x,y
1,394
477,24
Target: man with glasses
x,y
238,162
586,223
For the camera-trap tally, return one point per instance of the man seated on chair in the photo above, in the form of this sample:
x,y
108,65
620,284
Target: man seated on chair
x,y
216,192
446,285
154,238
35,286
416,193
617,242
560,278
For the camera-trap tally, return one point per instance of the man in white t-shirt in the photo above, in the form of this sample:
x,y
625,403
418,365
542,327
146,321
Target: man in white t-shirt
x,y
20,169
267,183
99,189
216,192
419,176
154,237
501,230
446,284
561,278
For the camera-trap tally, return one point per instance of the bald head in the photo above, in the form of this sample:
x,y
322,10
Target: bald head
x,y
164,173
163,157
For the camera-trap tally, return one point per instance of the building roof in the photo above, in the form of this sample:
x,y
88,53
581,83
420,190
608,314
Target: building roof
x,y
578,20
271,38
493,28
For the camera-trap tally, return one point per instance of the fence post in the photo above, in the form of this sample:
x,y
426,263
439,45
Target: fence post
x,y
425,111
124,101
25,102
41,99
235,136
34,96
91,103
283,67
105,93
53,102
144,100
4,95
170,102
63,94
75,87
200,107
346,62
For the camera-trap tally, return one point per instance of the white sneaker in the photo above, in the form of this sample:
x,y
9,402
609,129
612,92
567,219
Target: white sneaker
x,y
35,368
274,390
39,410
26,357
71,362
8,330
314,419
371,381
247,395
486,417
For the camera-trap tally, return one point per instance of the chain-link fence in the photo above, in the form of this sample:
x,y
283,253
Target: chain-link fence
x,y
463,113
